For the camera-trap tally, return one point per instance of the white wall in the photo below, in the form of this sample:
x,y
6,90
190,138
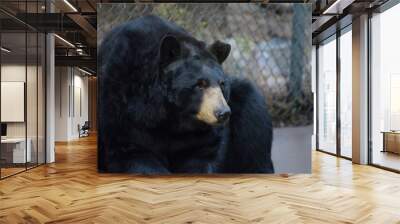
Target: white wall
x,y
81,104
71,102
61,103
16,73
33,126
11,73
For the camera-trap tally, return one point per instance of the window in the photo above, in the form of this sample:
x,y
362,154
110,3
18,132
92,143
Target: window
x,y
385,89
346,93
327,96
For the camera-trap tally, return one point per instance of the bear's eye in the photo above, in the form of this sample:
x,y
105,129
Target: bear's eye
x,y
202,84
222,83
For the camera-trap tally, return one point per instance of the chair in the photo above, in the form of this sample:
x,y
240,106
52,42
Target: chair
x,y
84,130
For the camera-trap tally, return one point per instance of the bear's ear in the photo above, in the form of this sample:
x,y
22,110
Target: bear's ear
x,y
170,50
220,50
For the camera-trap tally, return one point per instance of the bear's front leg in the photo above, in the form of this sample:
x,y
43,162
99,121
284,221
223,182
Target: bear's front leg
x,y
194,161
195,165
146,166
143,163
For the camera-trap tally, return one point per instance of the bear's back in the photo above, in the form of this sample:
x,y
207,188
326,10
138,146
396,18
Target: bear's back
x,y
129,52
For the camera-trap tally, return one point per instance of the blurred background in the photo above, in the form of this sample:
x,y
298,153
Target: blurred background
x,y
271,45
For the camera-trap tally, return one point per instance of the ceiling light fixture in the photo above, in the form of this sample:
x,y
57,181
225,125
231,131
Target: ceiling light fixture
x,y
337,7
329,9
79,51
84,71
5,50
70,5
65,41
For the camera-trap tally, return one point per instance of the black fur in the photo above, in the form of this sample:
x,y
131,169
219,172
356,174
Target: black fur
x,y
149,72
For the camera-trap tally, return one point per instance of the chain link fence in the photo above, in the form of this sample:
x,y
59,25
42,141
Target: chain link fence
x,y
271,45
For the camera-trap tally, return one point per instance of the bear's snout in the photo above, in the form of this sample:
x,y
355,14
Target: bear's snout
x,y
223,114
213,108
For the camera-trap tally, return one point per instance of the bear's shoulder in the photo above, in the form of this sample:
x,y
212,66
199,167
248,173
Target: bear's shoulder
x,y
243,90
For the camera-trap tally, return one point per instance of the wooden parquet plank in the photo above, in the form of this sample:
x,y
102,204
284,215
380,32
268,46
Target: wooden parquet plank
x,y
71,191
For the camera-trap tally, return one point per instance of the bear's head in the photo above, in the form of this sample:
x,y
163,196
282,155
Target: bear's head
x,y
197,87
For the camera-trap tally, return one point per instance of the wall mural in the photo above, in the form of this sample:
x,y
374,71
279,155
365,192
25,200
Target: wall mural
x,y
204,88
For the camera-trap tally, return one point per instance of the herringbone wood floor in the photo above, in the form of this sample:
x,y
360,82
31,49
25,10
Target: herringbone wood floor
x,y
71,191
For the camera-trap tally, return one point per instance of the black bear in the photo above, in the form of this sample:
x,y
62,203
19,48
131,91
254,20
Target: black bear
x,y
166,105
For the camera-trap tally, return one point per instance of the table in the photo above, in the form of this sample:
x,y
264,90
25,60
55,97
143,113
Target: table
x,y
391,141
13,150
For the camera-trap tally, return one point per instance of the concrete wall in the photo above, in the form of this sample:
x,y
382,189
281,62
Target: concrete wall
x,y
291,149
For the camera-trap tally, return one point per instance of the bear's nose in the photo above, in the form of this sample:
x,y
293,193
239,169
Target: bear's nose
x,y
223,115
